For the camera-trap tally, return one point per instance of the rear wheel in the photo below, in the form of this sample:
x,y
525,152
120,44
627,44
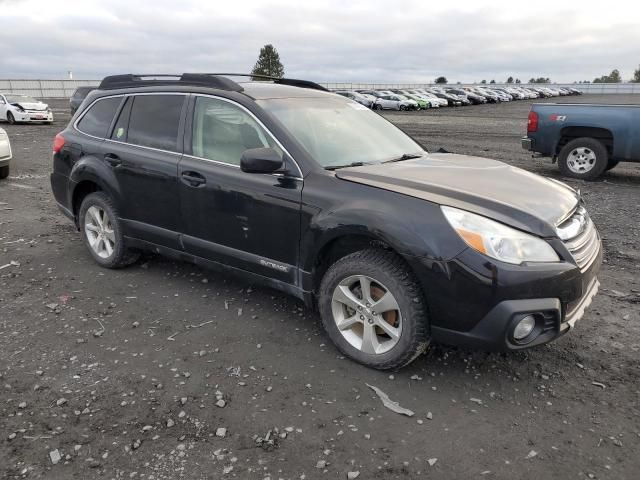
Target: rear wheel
x,y
102,232
4,172
10,118
584,158
373,309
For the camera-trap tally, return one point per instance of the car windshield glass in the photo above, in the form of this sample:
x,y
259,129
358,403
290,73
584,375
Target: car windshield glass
x,y
21,99
338,132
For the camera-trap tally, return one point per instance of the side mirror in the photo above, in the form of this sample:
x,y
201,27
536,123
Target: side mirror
x,y
260,160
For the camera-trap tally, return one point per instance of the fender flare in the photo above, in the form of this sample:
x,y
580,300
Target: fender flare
x,y
92,169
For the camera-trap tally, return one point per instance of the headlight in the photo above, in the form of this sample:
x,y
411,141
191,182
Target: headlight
x,y
497,240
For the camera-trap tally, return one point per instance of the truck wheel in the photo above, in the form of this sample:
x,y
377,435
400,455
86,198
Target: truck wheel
x,y
612,164
4,172
585,158
373,309
102,232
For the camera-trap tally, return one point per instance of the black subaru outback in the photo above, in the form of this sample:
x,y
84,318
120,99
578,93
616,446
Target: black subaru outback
x,y
311,193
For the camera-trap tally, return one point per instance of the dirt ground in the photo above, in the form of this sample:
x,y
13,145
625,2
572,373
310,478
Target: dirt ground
x,y
135,373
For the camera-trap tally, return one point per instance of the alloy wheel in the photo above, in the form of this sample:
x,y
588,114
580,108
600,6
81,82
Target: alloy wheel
x,y
99,231
367,314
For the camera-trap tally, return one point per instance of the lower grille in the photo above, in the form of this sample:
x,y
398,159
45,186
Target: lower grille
x,y
581,238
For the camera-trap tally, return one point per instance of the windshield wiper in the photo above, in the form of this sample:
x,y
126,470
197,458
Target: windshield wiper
x,y
353,164
406,156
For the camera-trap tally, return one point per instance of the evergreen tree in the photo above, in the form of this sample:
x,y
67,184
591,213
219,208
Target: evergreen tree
x,y
441,80
636,75
268,63
518,80
510,80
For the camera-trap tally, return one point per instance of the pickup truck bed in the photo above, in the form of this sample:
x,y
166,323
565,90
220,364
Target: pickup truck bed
x,y
585,139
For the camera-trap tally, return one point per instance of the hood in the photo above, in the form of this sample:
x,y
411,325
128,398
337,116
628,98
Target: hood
x,y
487,187
31,106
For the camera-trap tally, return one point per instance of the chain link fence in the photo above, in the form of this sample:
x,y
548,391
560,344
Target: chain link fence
x,y
65,88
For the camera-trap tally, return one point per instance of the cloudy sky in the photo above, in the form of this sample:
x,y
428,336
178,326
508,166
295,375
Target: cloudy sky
x,y
325,40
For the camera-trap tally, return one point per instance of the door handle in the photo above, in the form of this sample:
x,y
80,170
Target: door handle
x,y
193,179
112,159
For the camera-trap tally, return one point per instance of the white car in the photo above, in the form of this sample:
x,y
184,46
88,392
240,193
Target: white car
x,y
23,108
394,102
5,154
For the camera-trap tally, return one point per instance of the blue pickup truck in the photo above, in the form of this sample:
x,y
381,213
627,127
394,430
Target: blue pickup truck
x,y
585,140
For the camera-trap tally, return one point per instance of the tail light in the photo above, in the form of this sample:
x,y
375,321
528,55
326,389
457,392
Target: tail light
x,y
532,122
58,143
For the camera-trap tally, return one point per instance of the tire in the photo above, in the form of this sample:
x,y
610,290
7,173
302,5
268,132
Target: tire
x,y
118,255
611,164
387,274
402,107
4,172
11,119
584,158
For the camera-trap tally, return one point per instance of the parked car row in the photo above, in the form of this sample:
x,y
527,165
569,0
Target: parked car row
x,y
435,97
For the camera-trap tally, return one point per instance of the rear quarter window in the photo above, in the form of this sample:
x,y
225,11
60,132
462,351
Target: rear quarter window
x,y
98,118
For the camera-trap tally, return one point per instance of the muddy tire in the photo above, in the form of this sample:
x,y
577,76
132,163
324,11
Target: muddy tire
x,y
102,232
584,158
351,291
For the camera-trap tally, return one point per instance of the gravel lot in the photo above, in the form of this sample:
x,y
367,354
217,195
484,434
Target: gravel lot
x,y
120,374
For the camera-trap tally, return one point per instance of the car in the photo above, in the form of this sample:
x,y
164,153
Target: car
x,y
452,100
394,102
585,140
431,97
472,97
421,103
293,187
16,108
5,154
357,97
77,98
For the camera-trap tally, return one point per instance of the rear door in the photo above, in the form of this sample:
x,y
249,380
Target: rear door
x,y
246,220
144,149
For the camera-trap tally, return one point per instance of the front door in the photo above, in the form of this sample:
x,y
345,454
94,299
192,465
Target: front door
x,y
245,220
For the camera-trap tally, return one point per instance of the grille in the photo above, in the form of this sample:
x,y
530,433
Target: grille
x,y
581,238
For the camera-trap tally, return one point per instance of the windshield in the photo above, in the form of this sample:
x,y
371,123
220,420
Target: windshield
x,y
338,132
20,99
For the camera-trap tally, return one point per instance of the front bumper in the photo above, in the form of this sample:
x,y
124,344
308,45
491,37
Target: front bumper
x,y
33,116
477,303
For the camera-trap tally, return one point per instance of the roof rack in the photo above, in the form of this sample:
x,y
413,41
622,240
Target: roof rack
x,y
144,80
281,81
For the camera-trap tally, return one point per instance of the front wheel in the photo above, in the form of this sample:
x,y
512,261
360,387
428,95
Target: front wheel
x,y
584,158
10,118
102,232
373,309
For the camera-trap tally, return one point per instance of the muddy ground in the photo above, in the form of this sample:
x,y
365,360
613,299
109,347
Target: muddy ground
x,y
121,373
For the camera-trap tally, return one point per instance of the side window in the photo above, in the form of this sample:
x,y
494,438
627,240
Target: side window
x,y
120,129
97,120
222,131
154,121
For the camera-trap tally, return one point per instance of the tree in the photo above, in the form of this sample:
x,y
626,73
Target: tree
x,y
483,82
613,77
510,80
539,80
636,75
441,80
518,80
492,81
268,63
